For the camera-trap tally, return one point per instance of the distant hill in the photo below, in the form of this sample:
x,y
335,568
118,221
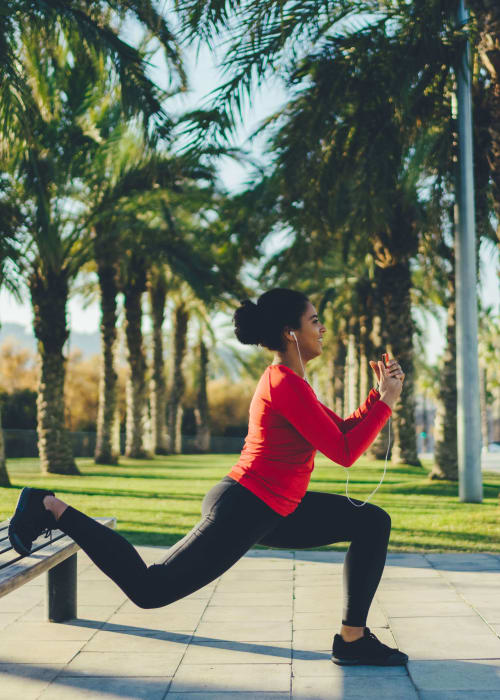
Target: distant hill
x,y
88,343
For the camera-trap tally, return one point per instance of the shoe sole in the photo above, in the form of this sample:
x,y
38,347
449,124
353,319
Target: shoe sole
x,y
13,537
370,662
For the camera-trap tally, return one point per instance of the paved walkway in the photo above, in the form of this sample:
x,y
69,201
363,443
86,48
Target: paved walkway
x,y
263,631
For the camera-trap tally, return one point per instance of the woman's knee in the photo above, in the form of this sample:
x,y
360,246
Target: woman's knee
x,y
379,519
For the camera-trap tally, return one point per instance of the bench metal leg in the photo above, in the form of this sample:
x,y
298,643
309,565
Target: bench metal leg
x,y
61,591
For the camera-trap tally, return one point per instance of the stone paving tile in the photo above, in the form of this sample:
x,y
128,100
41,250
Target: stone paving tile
x,y
175,622
228,696
453,638
8,618
241,648
459,695
140,641
91,614
222,652
120,688
99,663
234,599
33,652
456,675
331,580
443,594
260,563
331,618
305,557
322,666
25,681
246,631
262,575
48,631
270,554
347,687
219,678
418,608
283,588
321,640
464,562
21,599
221,613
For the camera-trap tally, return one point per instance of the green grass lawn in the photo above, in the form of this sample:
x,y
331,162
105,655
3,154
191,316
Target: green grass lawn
x,y
157,502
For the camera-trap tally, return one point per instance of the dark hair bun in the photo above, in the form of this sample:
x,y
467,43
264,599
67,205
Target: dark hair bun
x,y
246,323
263,323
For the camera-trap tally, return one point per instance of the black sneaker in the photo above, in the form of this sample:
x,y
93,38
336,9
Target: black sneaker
x,y
367,651
30,520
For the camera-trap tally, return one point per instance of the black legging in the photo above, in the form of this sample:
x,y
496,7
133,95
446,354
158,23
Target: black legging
x,y
234,520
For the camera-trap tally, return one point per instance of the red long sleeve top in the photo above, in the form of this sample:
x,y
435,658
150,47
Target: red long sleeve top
x,y
287,425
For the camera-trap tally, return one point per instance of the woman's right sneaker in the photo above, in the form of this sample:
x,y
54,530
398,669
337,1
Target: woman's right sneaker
x,y
367,651
30,520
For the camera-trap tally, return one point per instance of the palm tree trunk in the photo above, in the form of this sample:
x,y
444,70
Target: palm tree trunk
x,y
339,363
395,285
488,18
425,423
378,448
174,408
201,413
4,476
352,366
484,407
105,451
158,387
445,429
49,294
136,391
365,372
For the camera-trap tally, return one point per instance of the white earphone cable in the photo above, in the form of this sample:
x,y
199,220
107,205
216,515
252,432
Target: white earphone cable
x,y
356,505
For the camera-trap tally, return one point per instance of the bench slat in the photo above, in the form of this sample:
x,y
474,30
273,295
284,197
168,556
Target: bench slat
x,y
43,557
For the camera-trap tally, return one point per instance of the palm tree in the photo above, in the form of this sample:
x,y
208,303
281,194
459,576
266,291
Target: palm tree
x,y
174,405
91,25
49,151
158,287
124,170
10,218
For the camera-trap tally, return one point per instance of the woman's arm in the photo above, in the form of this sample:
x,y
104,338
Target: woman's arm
x,y
296,402
346,424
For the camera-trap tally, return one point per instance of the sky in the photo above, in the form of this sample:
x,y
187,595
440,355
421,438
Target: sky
x,y
204,76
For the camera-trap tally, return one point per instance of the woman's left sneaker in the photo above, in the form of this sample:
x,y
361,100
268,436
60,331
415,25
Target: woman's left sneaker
x,y
30,520
367,651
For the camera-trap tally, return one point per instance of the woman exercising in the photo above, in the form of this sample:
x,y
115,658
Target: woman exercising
x,y
264,499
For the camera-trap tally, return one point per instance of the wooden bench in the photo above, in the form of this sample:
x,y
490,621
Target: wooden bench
x,y
56,557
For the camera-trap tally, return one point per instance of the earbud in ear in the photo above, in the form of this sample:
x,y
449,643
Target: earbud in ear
x,y
292,333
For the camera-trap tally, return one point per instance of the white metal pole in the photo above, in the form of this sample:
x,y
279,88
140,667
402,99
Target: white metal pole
x,y
468,413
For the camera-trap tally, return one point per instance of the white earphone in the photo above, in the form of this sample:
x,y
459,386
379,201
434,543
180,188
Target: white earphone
x,y
356,505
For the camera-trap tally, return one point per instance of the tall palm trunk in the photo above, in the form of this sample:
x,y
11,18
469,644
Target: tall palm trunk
x,y
445,429
352,367
484,406
4,477
339,365
202,426
395,285
136,390
105,451
378,448
488,19
174,408
158,387
49,295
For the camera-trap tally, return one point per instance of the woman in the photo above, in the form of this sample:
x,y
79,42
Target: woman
x,y
263,499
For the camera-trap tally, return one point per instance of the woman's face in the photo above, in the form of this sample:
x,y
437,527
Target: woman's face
x,y
310,334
